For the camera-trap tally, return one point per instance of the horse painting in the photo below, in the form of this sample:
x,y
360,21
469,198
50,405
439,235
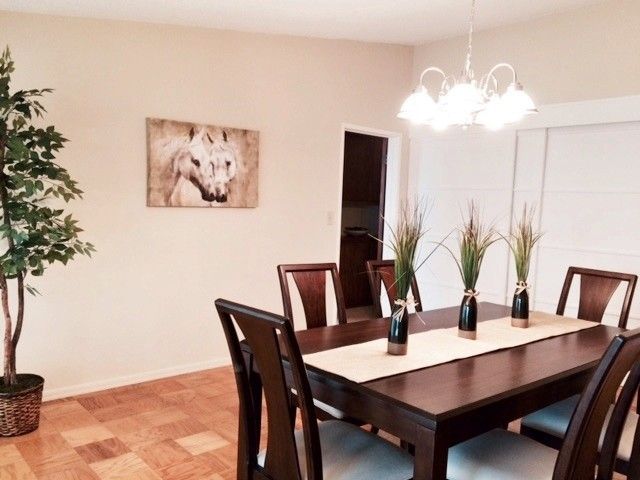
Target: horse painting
x,y
191,165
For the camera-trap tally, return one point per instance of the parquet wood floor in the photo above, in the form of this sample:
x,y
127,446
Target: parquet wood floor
x,y
179,428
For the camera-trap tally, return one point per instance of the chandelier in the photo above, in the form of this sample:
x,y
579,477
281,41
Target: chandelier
x,y
465,101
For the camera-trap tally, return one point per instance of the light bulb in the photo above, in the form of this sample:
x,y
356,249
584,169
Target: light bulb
x,y
419,107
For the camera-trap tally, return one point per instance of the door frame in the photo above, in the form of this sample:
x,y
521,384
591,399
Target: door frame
x,y
392,183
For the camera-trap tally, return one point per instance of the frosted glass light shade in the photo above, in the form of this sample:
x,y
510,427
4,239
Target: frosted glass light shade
x,y
516,103
462,102
419,107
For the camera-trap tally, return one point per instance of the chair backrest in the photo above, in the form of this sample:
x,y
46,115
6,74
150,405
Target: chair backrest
x,y
578,458
271,339
596,289
382,273
311,280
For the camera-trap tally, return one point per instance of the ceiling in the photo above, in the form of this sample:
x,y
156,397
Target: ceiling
x,y
408,22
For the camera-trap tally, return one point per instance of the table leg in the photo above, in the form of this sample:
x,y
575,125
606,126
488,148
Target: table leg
x,y
431,456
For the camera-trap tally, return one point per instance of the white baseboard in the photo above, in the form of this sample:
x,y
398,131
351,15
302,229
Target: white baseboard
x,y
61,392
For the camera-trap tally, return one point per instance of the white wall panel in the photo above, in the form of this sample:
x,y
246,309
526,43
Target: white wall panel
x,y
584,182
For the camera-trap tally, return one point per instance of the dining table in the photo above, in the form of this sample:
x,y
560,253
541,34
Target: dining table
x,y
437,407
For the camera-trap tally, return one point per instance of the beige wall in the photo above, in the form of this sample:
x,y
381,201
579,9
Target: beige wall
x,y
583,54
144,305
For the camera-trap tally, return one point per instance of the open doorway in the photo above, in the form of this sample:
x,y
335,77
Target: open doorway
x,y
364,195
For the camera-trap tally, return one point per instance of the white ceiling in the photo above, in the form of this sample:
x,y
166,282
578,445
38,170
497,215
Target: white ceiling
x,y
391,21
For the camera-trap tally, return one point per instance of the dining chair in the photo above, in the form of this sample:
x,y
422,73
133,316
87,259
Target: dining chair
x,y
311,280
596,289
382,273
333,449
549,424
503,455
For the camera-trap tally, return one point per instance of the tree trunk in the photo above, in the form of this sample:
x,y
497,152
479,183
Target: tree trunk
x,y
10,376
9,370
18,329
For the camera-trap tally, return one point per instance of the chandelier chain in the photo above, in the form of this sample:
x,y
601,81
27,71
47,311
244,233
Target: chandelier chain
x,y
472,17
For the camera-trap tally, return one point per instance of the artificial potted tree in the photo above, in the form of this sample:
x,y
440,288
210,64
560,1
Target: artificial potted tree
x,y
34,233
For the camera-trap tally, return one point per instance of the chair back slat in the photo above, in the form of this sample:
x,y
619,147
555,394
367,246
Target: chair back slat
x,y
381,273
578,457
272,340
311,281
596,289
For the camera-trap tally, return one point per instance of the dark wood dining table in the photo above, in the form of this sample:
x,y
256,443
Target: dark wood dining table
x,y
437,407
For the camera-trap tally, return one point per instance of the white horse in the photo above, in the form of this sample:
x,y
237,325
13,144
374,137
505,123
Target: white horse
x,y
204,163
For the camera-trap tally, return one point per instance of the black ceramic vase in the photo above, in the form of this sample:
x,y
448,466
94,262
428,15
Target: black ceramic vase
x,y
468,317
520,308
398,331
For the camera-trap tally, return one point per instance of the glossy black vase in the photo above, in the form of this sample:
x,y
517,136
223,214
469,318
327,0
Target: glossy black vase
x,y
468,318
398,331
520,308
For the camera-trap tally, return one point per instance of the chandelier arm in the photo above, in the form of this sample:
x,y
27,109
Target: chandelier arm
x,y
431,69
505,65
484,83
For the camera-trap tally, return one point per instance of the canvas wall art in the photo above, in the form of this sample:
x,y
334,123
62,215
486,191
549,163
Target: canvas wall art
x,y
194,165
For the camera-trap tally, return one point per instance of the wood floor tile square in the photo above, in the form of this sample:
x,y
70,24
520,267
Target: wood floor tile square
x,y
182,428
71,421
120,467
143,437
166,385
77,471
84,435
96,401
126,425
16,471
192,469
163,454
202,442
102,450
61,407
155,418
10,454
178,397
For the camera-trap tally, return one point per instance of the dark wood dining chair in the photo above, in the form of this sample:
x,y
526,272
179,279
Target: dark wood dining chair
x,y
311,281
504,455
596,289
382,273
334,449
550,424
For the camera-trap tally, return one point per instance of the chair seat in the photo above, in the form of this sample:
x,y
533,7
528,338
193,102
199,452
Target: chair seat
x,y
501,455
554,420
351,453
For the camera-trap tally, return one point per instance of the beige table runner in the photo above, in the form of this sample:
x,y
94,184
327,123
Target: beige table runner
x,y
367,361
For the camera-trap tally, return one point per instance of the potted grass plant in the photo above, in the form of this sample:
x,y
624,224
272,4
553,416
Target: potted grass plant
x,y
404,240
474,238
521,240
34,233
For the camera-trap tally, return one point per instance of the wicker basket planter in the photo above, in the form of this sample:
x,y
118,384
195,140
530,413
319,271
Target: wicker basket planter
x,y
20,408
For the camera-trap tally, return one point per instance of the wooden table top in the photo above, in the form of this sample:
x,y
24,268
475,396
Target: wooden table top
x,y
450,389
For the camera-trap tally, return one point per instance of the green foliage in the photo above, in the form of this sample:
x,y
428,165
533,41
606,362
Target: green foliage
x,y
522,238
404,241
474,239
36,232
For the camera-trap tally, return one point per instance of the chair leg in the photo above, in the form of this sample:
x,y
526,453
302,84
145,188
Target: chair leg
x,y
375,430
